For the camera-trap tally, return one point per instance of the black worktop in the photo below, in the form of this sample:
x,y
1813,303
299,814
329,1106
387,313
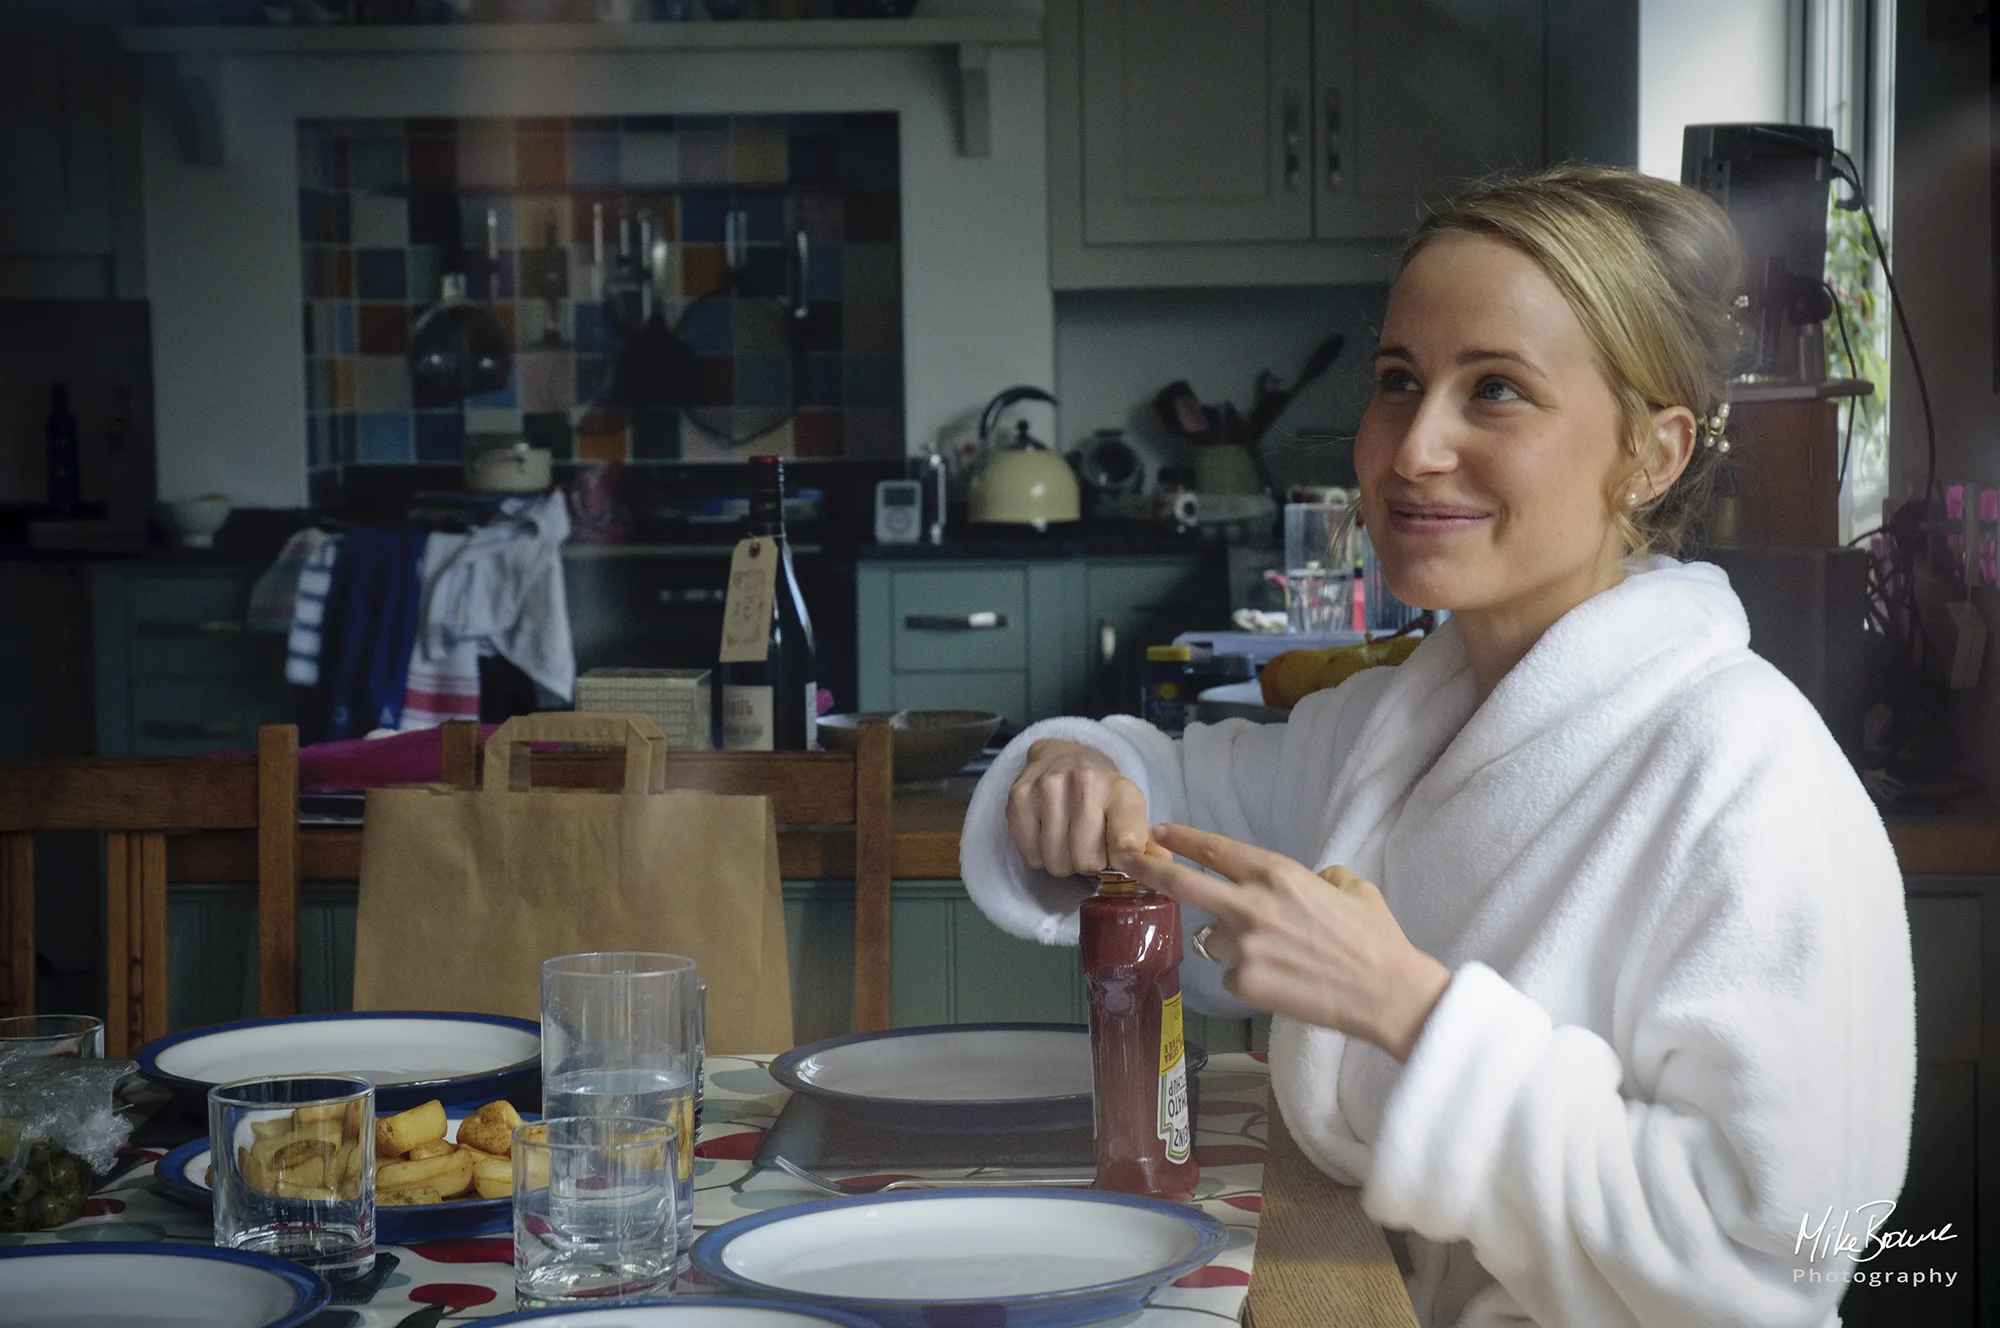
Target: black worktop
x,y
1082,539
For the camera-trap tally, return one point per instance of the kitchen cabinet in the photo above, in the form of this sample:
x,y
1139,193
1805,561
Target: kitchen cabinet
x,y
176,670
1219,142
1954,1174
69,153
44,663
1027,638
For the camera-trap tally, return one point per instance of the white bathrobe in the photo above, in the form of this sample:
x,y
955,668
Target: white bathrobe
x,y
1681,1017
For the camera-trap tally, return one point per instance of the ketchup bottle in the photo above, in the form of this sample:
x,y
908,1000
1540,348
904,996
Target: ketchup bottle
x,y
1132,959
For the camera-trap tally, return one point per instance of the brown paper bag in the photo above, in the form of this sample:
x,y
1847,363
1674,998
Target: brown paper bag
x,y
465,893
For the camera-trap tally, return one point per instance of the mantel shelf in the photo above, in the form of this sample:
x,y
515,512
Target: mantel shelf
x,y
195,49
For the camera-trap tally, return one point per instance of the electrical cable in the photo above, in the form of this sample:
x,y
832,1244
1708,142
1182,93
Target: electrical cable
x,y
1859,200
1853,372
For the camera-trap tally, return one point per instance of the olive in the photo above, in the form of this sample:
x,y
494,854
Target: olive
x,y
68,1176
49,1211
26,1186
39,1153
13,1215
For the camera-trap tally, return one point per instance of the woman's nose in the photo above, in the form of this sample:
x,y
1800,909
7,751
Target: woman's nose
x,y
1427,446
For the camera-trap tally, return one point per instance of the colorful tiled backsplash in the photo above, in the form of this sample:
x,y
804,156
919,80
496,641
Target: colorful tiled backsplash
x,y
386,206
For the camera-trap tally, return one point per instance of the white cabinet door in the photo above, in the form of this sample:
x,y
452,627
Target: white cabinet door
x,y
1416,97
1196,120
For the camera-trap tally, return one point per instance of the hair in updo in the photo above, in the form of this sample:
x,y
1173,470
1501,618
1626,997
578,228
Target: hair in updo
x,y
1650,269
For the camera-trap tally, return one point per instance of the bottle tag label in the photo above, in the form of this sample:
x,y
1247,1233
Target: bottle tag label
x,y
1174,1128
746,719
746,615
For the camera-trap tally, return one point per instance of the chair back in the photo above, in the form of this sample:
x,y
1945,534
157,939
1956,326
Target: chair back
x,y
136,803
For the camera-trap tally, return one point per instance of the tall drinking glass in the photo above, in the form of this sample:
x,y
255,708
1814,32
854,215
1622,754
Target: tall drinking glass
x,y
594,1209
1319,568
294,1167
53,1035
618,1039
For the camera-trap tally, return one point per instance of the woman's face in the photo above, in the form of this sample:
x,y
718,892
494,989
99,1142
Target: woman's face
x,y
1487,454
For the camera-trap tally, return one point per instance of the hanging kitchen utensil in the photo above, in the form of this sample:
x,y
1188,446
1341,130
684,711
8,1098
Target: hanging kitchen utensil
x,y
778,304
657,371
458,349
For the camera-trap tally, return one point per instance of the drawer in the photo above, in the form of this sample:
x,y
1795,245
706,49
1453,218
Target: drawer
x,y
1001,693
194,625
963,618
180,716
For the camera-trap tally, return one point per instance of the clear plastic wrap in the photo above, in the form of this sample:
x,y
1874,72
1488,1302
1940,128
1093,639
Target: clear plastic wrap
x,y
70,1103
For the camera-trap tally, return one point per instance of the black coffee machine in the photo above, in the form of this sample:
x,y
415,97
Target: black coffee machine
x,y
1773,180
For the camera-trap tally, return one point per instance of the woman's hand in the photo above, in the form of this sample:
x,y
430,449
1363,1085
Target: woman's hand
x,y
1071,810
1323,949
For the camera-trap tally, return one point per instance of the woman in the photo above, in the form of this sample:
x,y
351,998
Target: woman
x,y
1603,985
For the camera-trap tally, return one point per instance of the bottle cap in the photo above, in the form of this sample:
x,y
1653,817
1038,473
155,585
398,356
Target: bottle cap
x,y
1169,654
1116,883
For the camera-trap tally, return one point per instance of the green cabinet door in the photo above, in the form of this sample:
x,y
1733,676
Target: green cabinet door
x,y
1132,604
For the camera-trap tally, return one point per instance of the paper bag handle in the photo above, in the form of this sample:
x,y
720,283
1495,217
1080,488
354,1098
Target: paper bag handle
x,y
645,747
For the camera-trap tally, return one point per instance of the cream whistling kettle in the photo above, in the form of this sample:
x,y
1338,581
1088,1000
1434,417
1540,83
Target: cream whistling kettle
x,y
1022,482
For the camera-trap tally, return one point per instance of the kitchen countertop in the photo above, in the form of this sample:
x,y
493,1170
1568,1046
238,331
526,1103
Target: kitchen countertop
x,y
1084,539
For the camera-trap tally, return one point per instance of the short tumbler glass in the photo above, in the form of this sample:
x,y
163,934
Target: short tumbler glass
x,y
1319,568
294,1162
594,1209
53,1035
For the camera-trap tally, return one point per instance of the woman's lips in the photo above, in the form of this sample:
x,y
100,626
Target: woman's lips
x,y
1432,518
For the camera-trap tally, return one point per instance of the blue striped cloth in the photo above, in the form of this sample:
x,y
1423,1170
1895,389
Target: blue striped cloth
x,y
302,647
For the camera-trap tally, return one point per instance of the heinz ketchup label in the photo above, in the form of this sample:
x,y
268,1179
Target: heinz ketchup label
x,y
1174,1129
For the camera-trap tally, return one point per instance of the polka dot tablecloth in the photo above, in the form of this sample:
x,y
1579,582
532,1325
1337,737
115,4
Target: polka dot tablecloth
x,y
474,1278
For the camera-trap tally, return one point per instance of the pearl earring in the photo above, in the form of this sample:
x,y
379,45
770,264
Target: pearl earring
x,y
1631,500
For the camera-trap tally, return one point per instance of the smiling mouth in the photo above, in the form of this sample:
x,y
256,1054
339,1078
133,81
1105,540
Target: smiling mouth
x,y
1433,515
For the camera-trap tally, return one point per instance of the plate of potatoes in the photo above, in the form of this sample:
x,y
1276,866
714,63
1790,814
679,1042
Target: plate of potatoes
x,y
438,1176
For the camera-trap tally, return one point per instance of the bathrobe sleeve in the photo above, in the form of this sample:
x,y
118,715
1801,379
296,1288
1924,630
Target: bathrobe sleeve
x,y
1763,1006
1264,784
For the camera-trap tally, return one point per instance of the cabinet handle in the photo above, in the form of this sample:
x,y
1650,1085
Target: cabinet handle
x,y
1107,642
183,630
175,731
983,621
1294,140
1333,164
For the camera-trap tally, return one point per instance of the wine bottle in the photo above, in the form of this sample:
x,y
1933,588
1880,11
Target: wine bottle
x,y
772,703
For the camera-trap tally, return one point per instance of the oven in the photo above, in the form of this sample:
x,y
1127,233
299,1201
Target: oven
x,y
654,600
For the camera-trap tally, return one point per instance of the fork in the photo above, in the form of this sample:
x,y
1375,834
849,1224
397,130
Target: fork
x,y
828,1185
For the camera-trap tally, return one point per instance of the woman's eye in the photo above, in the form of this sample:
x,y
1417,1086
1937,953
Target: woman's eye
x,y
1496,389
1395,380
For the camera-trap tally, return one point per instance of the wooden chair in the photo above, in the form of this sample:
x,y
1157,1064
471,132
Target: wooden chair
x,y
137,803
807,789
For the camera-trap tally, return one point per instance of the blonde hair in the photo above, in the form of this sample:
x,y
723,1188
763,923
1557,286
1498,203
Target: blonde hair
x,y
1650,269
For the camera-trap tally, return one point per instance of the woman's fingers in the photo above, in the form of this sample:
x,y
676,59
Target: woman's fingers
x,y
1234,859
1087,805
1125,826
1188,886
1024,826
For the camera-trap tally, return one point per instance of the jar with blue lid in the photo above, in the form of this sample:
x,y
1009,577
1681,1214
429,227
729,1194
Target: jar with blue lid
x,y
1165,695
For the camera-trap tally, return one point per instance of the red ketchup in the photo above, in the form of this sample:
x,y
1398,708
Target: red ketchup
x,y
1132,959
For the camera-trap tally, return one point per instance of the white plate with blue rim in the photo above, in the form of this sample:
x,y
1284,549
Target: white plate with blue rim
x,y
686,1312
954,1078
184,1175
1021,1257
114,1285
411,1056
